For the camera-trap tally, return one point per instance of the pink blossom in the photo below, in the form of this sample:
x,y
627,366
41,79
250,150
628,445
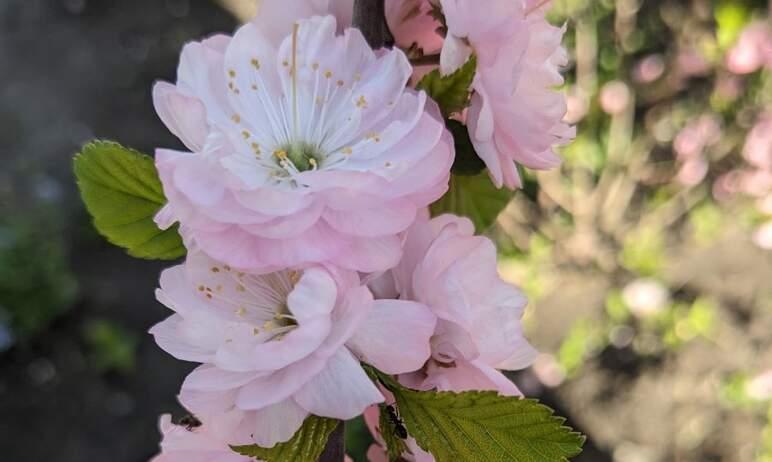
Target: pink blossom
x,y
454,274
760,387
645,297
697,135
691,63
548,370
208,442
753,49
577,105
649,69
758,145
516,115
615,97
326,164
762,237
764,204
693,171
283,345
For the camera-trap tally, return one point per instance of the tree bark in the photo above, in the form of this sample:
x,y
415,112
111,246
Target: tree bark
x,y
335,450
370,18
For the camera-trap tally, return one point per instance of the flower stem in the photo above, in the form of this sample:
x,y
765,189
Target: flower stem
x,y
370,18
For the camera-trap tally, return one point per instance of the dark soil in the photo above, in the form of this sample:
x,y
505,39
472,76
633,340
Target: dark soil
x,y
71,71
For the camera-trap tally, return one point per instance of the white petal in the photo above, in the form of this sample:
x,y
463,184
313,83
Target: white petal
x,y
455,52
342,390
183,115
276,423
395,337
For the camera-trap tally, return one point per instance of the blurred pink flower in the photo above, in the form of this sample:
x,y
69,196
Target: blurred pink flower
x,y
548,370
760,387
764,204
729,87
691,63
577,105
615,97
756,183
326,164
454,274
693,171
698,134
758,145
645,297
282,345
753,49
208,442
649,69
762,237
727,185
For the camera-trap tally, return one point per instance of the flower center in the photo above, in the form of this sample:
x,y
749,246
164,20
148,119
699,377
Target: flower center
x,y
259,302
299,155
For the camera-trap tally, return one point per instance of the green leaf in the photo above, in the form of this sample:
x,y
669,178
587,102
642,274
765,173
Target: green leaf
x,y
305,446
451,91
475,197
122,192
395,446
484,426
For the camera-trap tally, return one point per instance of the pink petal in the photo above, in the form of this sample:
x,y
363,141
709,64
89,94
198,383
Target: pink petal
x,y
276,423
183,115
410,322
342,390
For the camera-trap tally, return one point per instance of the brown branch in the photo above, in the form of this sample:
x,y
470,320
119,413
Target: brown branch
x,y
370,18
335,450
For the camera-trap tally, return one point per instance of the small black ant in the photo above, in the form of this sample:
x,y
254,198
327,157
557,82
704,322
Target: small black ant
x,y
396,421
189,422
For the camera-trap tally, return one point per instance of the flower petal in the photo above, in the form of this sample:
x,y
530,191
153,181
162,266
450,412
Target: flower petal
x,y
342,390
375,341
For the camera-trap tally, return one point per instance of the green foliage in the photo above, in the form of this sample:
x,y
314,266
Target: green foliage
x,y
122,192
765,452
395,446
305,446
731,16
113,348
643,252
483,426
616,309
36,283
684,322
467,162
586,152
358,439
584,338
706,221
734,391
451,92
475,197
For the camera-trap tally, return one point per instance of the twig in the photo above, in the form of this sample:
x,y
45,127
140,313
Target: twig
x,y
370,18
335,450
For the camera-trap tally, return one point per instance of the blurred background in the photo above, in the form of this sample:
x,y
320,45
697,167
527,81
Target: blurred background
x,y
646,256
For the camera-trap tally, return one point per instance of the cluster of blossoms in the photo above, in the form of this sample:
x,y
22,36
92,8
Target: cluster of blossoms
x,y
303,205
